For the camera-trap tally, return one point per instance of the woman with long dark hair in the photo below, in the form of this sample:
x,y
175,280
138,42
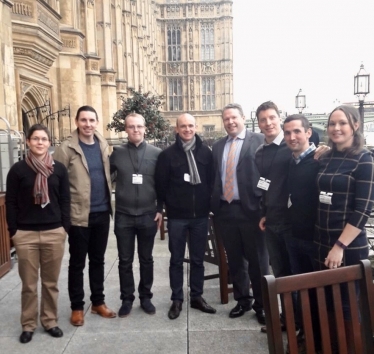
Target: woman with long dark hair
x,y
38,217
345,182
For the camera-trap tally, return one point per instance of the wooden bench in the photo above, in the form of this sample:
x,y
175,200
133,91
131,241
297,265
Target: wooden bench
x,y
331,322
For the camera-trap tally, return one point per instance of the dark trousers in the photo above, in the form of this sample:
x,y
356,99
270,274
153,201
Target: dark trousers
x,y
127,228
301,255
197,230
276,236
91,240
246,251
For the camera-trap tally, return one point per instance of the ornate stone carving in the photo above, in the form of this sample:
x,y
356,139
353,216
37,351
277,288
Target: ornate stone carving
x,y
208,68
24,87
172,11
32,54
192,68
43,92
22,8
190,52
191,86
69,42
175,69
47,21
95,66
90,3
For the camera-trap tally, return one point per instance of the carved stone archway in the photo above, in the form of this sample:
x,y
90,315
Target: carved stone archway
x,y
35,105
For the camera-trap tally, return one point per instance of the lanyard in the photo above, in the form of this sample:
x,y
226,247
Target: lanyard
x,y
136,168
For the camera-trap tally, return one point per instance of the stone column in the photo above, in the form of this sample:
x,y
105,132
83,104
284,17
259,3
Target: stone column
x,y
108,84
92,62
119,41
8,99
70,68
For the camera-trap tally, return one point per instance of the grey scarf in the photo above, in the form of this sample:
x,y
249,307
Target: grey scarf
x,y
188,148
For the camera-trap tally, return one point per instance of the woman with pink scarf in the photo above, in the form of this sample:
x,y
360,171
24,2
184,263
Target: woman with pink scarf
x,y
38,217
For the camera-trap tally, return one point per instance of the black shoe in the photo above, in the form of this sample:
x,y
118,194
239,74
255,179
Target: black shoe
x,y
239,310
260,314
55,332
125,309
147,306
175,310
25,337
200,304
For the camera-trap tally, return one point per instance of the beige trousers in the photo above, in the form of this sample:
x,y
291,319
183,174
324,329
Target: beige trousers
x,y
44,249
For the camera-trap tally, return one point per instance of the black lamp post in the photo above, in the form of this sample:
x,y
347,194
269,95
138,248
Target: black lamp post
x,y
253,119
300,102
361,89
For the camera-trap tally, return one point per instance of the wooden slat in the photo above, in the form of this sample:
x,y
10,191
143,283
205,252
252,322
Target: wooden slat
x,y
332,326
5,261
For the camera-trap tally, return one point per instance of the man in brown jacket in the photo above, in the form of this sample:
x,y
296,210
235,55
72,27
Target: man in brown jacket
x,y
86,156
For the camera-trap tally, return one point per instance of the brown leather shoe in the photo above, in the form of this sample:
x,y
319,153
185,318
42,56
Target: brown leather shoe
x,y
103,311
77,318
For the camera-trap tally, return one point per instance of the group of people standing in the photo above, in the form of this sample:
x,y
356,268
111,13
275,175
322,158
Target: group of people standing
x,y
273,195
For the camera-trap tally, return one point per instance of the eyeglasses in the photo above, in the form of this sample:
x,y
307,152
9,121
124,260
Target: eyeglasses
x,y
36,139
137,127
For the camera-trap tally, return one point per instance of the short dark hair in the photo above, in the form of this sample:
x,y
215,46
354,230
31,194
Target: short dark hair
x,y
353,116
233,106
304,121
86,109
265,106
36,127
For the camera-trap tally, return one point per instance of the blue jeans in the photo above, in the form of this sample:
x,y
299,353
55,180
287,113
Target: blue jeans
x,y
126,229
197,229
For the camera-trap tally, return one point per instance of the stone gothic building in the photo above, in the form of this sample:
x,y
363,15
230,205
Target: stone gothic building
x,y
57,55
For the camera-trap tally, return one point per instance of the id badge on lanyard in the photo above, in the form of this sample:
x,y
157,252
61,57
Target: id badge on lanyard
x,y
263,183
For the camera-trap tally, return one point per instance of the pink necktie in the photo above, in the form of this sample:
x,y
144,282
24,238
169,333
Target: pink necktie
x,y
228,191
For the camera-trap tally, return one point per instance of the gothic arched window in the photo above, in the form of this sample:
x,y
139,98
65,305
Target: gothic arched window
x,y
208,94
175,95
174,43
207,41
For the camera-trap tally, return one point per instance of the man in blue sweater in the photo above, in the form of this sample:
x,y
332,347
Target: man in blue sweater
x,y
86,156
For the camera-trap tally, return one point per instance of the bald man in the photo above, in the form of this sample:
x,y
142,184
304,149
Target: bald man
x,y
183,183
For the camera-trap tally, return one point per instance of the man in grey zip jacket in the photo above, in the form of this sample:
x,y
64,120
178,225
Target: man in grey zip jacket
x,y
138,214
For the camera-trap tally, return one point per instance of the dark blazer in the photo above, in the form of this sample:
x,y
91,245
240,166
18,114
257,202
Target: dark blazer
x,y
246,173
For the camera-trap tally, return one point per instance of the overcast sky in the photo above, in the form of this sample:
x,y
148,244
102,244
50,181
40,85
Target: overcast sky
x,y
281,46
